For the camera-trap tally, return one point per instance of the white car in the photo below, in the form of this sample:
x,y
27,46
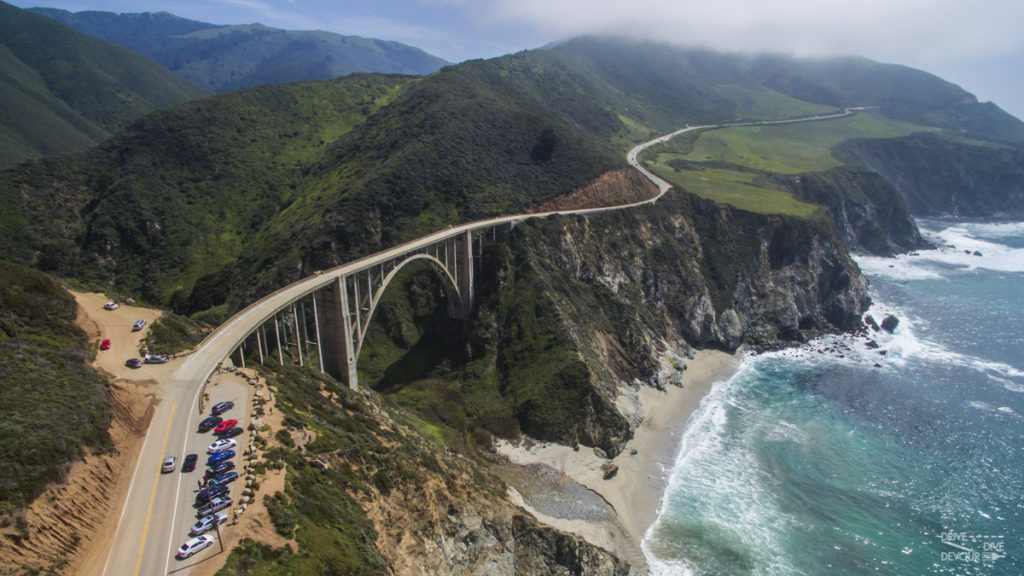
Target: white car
x,y
139,325
111,305
205,524
195,545
222,445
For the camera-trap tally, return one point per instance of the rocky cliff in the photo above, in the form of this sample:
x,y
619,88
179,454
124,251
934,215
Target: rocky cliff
x,y
944,177
867,210
582,310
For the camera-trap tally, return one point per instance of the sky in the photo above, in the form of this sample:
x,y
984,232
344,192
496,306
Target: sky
x,y
977,44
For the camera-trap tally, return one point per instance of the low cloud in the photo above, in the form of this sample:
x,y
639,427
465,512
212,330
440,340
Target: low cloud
x,y
915,30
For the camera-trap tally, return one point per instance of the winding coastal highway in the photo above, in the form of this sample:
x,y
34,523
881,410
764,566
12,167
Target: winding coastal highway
x,y
156,513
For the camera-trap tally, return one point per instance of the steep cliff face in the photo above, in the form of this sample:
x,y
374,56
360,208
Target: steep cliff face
x,y
582,309
868,212
942,177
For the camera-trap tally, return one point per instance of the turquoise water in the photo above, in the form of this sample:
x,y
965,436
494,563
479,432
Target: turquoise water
x,y
835,458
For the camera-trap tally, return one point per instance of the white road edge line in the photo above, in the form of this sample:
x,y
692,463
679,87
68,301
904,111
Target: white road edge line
x,y
177,492
131,488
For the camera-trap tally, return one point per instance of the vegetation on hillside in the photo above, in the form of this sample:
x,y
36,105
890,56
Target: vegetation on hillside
x,y
63,90
55,406
171,202
319,507
229,58
234,196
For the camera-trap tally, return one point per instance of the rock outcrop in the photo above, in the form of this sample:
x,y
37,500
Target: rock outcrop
x,y
942,177
583,309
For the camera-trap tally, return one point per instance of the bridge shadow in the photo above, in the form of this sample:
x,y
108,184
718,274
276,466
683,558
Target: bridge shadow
x,y
418,363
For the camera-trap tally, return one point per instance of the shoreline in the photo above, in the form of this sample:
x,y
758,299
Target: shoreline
x,y
635,492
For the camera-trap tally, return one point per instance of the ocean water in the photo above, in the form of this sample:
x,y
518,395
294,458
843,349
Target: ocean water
x,y
842,458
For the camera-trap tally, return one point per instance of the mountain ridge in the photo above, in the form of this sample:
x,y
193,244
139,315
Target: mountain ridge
x,y
224,58
64,91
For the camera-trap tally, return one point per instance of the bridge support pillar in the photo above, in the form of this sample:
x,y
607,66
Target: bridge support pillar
x,y
337,346
463,272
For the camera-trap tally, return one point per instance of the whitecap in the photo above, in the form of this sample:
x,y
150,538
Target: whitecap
x,y
959,248
1009,385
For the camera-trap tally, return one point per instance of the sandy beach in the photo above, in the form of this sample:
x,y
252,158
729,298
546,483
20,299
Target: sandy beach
x,y
635,491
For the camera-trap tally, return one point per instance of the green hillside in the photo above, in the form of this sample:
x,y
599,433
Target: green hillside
x,y
210,205
63,91
47,382
228,58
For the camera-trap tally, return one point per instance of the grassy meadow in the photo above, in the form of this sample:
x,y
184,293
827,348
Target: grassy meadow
x,y
726,165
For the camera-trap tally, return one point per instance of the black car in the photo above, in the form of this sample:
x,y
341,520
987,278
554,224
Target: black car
x,y
190,463
222,407
205,494
231,432
209,423
220,467
223,478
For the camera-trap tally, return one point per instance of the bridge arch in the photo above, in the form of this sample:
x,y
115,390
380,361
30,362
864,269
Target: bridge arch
x,y
448,282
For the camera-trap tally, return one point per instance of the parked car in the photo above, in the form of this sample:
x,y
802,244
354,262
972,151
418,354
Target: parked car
x,y
219,468
209,423
224,478
139,325
195,545
220,457
214,505
225,425
221,445
155,359
231,432
111,305
189,463
215,491
133,363
221,407
206,523
169,464
105,344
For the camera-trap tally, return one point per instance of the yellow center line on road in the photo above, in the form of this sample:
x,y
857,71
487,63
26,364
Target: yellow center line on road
x,y
152,497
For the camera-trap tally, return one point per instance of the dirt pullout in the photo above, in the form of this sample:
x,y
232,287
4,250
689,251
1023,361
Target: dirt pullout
x,y
70,526
610,189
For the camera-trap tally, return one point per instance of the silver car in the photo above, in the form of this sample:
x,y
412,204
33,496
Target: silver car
x,y
206,523
169,463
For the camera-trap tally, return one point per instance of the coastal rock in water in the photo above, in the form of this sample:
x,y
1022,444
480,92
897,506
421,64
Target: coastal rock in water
x,y
871,344
890,323
870,321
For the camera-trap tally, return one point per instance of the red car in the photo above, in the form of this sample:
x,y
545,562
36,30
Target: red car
x,y
225,425
105,345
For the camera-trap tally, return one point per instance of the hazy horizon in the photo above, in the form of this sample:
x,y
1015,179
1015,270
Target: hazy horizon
x,y
976,46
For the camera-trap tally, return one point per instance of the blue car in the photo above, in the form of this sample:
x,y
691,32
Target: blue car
x,y
220,467
223,478
205,494
220,457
